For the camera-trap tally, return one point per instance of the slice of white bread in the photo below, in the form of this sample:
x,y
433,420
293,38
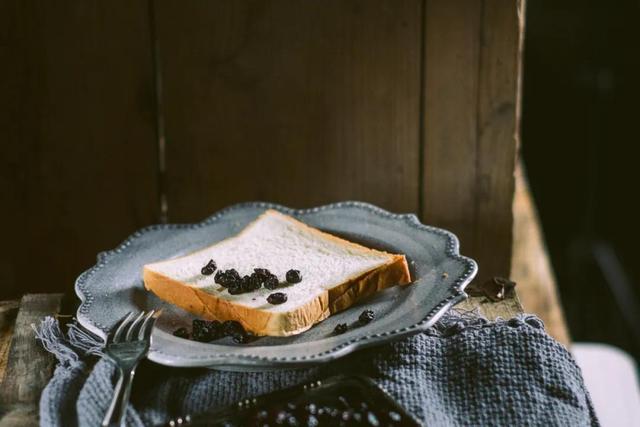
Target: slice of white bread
x,y
335,274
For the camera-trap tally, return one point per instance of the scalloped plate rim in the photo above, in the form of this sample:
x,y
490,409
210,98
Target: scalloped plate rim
x,y
456,293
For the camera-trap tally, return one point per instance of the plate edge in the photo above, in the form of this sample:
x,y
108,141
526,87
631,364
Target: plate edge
x,y
457,293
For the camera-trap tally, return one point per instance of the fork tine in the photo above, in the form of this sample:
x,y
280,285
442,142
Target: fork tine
x,y
115,337
133,325
147,325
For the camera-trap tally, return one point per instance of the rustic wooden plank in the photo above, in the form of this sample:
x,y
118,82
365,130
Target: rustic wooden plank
x,y
498,100
452,47
8,312
20,416
531,266
77,158
505,309
470,97
29,366
301,103
6,334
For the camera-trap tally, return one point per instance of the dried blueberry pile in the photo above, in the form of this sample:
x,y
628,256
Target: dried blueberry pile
x,y
343,413
260,277
227,278
236,284
211,330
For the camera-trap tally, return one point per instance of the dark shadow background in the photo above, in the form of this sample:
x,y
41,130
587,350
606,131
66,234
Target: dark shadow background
x,y
81,116
579,142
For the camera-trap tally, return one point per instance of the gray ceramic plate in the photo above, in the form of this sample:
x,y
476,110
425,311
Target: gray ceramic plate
x,y
114,286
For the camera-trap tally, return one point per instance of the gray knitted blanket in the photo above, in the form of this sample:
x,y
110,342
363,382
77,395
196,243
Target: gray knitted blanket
x,y
463,372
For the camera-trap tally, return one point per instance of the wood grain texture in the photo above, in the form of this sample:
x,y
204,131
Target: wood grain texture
x,y
498,99
452,49
20,416
531,267
300,103
77,150
470,98
409,105
8,312
505,309
29,366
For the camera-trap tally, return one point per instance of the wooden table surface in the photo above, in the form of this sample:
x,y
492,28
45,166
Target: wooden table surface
x,y
25,367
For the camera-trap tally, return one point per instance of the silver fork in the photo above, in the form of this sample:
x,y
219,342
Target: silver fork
x,y
127,345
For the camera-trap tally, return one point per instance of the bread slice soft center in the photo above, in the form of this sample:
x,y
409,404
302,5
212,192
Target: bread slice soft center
x,y
278,243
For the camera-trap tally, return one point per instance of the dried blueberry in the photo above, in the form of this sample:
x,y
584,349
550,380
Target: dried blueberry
x,y
181,333
231,328
201,332
199,324
262,272
277,298
255,281
245,284
232,273
220,278
235,288
366,316
204,330
208,269
215,328
340,328
293,276
271,282
227,278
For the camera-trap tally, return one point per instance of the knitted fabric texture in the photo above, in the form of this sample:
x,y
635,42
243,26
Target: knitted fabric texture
x,y
460,373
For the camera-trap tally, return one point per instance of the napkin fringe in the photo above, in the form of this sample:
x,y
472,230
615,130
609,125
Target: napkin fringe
x,y
69,348
84,340
54,341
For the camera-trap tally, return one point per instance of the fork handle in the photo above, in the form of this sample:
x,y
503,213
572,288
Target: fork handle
x,y
117,411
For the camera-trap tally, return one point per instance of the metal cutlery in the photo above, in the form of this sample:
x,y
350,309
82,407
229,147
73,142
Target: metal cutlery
x,y
127,345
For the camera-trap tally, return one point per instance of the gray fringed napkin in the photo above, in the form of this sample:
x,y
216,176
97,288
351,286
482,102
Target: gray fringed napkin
x,y
465,371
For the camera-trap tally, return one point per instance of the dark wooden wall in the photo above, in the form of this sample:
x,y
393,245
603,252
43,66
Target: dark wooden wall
x,y
116,115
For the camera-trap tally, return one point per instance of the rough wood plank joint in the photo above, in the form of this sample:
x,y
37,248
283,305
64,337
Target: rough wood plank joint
x,y
29,366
